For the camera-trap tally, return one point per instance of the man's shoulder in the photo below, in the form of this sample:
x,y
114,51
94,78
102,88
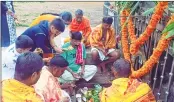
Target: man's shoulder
x,y
112,29
98,27
66,45
86,18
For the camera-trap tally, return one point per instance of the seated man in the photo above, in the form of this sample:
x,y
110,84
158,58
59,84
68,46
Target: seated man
x,y
44,33
66,16
124,89
103,44
48,85
23,44
75,54
27,72
80,24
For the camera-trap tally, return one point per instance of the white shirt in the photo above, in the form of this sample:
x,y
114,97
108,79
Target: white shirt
x,y
9,57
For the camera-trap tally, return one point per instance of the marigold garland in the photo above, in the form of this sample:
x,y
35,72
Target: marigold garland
x,y
148,65
131,30
124,37
159,9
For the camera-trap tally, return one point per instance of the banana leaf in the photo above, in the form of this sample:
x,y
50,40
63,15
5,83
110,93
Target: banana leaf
x,y
132,10
171,10
170,34
149,11
172,46
168,28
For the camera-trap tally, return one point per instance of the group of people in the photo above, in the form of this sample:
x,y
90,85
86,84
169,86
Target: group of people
x,y
26,79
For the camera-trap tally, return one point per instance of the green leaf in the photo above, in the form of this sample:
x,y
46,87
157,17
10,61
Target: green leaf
x,y
124,6
171,10
149,11
172,46
168,28
170,34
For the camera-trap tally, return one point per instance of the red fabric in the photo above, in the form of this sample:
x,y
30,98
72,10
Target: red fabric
x,y
79,54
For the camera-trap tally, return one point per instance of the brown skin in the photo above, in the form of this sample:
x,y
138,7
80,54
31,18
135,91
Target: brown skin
x,y
55,71
114,72
23,50
53,33
79,18
31,80
112,56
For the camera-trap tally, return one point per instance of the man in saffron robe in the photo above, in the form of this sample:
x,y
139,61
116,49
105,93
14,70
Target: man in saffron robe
x,y
124,89
80,24
48,85
103,44
27,73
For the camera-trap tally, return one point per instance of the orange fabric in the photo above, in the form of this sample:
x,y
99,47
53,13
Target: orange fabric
x,y
96,38
47,17
127,90
48,87
15,91
84,27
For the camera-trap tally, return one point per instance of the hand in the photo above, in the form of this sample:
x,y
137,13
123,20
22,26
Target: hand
x,y
58,50
9,12
75,75
47,60
68,85
38,51
82,72
16,21
84,39
65,99
14,16
104,52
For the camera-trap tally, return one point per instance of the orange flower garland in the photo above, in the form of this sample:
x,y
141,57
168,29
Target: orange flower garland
x,y
162,45
148,65
131,30
159,9
124,37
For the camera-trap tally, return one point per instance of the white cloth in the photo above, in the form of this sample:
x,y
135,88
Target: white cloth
x,y
9,57
65,94
90,71
101,55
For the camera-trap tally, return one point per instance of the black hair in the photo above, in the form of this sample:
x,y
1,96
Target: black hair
x,y
24,41
58,24
79,12
123,67
107,20
55,14
28,63
58,61
66,16
76,35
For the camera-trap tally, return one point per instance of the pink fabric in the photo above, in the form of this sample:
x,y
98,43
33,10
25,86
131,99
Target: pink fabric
x,y
48,87
79,54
